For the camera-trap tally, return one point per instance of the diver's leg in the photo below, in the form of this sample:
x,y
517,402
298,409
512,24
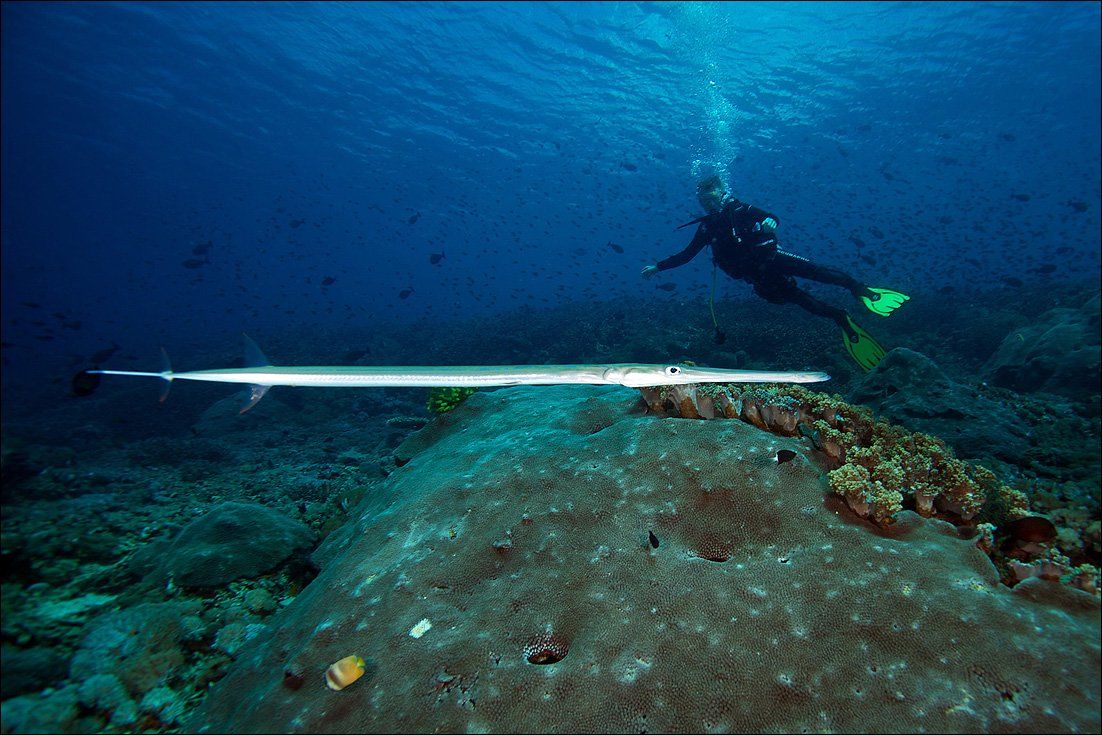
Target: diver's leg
x,y
865,350
785,291
793,265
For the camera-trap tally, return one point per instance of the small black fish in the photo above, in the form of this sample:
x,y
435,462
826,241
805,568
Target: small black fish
x,y
785,455
354,355
404,293
1008,137
947,289
1044,268
202,248
1020,197
414,218
667,286
1077,205
653,539
296,223
1063,250
328,281
1012,281
193,263
615,248
435,258
32,304
629,166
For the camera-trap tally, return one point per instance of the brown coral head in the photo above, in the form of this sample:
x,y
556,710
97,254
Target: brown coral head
x,y
1035,529
546,648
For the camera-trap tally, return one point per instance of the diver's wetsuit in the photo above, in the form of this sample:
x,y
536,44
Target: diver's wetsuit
x,y
752,255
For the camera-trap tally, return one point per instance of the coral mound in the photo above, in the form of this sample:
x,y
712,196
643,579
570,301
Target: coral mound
x,y
556,560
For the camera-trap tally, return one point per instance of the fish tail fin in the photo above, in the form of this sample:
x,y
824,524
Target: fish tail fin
x,y
254,357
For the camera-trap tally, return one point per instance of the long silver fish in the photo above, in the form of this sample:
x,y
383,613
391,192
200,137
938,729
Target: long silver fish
x,y
260,375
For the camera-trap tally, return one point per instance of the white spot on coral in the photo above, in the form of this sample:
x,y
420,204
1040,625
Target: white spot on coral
x,y
420,629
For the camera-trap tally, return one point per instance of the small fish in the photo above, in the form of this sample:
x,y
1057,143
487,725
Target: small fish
x,y
1008,137
947,289
435,258
404,293
193,263
653,539
1030,529
32,305
1044,268
328,281
785,455
1020,197
628,166
667,286
202,248
296,223
615,248
1077,205
414,218
1012,281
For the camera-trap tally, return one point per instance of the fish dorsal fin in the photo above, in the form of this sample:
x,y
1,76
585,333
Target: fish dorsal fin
x,y
253,356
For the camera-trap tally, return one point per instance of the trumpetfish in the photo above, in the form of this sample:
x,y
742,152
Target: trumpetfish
x,y
260,375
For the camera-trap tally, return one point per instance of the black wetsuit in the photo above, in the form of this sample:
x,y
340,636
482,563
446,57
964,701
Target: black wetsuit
x,y
747,251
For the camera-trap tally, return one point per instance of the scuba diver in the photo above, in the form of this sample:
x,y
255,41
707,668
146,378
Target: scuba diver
x,y
744,246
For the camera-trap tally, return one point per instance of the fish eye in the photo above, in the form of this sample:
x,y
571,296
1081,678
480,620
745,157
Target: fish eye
x,y
673,370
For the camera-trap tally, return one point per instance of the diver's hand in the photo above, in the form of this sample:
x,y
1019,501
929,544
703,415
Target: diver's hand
x,y
768,224
649,271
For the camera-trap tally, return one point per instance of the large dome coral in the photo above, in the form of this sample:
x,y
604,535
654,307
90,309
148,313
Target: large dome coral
x,y
559,560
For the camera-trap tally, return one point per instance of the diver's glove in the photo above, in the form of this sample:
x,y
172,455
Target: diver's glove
x,y
649,271
768,224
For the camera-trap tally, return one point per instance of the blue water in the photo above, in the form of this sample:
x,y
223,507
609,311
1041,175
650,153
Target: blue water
x,y
957,142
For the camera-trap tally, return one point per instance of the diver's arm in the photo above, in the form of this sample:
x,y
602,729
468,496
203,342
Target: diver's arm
x,y
700,239
761,217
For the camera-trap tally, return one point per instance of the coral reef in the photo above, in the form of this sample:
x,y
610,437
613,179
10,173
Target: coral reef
x,y
908,388
232,541
1059,353
606,570
878,468
442,400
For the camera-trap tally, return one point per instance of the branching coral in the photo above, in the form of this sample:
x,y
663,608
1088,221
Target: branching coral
x,y
442,400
